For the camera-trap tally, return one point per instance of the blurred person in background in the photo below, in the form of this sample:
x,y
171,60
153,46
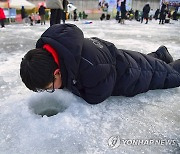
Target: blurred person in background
x,y
145,14
2,17
123,11
175,15
162,14
75,15
137,18
56,8
24,15
156,15
42,13
64,12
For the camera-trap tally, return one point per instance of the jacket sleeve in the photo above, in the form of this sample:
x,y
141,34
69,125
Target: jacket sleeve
x,y
98,83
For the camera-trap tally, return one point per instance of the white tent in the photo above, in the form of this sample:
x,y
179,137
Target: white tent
x,y
17,4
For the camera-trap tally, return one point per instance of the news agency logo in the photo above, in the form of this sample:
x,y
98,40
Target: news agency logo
x,y
116,141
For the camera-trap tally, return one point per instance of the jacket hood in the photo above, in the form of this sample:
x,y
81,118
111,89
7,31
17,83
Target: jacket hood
x,y
67,40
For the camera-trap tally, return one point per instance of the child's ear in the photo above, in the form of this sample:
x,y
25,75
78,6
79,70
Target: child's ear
x,y
57,71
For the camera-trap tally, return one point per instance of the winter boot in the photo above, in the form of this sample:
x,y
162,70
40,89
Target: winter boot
x,y
163,54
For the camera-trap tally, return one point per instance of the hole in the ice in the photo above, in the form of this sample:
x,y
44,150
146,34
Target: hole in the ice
x,y
47,105
49,112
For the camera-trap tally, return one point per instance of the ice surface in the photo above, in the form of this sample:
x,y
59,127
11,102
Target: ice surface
x,y
72,125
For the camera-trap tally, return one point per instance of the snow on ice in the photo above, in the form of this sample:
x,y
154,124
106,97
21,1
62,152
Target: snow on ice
x,y
43,123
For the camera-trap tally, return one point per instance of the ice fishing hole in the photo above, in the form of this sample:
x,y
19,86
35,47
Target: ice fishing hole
x,y
47,105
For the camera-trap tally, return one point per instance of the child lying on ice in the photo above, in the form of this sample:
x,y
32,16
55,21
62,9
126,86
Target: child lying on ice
x,y
94,69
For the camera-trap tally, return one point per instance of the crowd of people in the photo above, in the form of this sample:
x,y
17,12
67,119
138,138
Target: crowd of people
x,y
59,9
58,13
164,14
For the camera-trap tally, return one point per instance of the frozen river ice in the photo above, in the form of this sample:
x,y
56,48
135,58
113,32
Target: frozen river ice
x,y
148,123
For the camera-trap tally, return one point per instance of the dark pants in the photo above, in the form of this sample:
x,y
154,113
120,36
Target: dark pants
x,y
56,16
42,19
162,18
63,16
161,21
2,22
176,65
144,17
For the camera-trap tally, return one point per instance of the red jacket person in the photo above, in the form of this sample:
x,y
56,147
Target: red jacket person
x,y
2,17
